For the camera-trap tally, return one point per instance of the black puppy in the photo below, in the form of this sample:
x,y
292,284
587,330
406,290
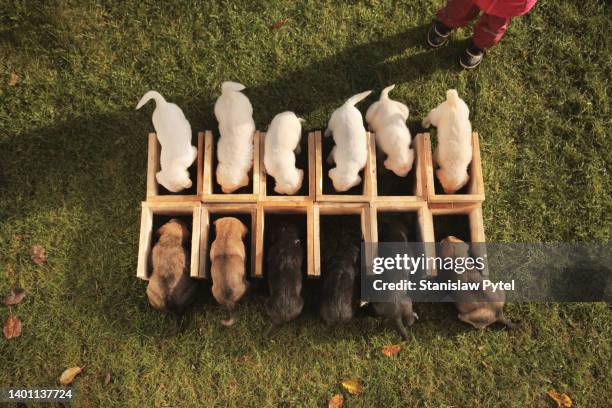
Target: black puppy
x,y
338,298
284,269
398,308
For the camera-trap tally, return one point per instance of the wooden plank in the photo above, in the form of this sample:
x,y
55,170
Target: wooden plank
x,y
256,167
208,161
369,173
312,177
310,270
318,163
204,237
263,176
199,175
258,232
153,165
316,235
144,244
195,243
418,167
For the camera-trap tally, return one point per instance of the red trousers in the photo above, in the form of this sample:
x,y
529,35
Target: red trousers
x,y
488,30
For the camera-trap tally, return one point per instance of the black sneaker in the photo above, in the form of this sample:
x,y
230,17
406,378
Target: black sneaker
x,y
438,34
472,57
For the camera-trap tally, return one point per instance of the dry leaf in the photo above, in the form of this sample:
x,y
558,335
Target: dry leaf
x,y
12,327
13,80
352,386
485,365
107,379
336,401
37,254
68,375
278,24
562,400
391,350
15,297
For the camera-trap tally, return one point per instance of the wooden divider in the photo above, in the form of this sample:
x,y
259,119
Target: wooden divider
x,y
153,166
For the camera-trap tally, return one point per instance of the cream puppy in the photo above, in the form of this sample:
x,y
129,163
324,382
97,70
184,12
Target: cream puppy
x,y
454,151
350,152
174,135
282,140
387,118
234,113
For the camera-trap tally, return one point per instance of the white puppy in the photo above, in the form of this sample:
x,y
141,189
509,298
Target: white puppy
x,y
351,151
234,113
387,118
174,135
454,151
282,140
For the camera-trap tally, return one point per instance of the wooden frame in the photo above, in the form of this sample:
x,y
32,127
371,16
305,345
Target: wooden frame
x,y
419,194
209,174
153,166
368,179
424,220
361,209
283,208
475,186
311,174
152,209
206,211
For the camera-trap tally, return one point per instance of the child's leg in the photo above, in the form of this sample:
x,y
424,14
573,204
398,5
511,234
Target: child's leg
x,y
458,13
489,30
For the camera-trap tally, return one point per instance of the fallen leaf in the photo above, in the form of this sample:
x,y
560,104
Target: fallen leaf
x,y
278,24
485,365
352,386
15,297
336,401
69,374
107,379
13,80
391,350
562,400
37,254
12,327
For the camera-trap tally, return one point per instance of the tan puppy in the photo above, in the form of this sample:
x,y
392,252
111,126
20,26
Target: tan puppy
x,y
227,257
170,288
482,308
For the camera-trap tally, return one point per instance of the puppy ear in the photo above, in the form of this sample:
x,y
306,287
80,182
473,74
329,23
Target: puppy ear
x,y
244,230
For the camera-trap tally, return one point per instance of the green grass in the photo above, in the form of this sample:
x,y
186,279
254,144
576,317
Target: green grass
x,y
72,175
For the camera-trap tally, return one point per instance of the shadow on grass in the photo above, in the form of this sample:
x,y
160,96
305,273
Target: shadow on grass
x,y
99,162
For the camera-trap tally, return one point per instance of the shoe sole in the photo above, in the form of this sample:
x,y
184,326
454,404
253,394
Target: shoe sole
x,y
437,46
468,66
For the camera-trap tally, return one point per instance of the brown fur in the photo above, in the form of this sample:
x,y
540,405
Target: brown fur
x,y
170,288
490,308
228,256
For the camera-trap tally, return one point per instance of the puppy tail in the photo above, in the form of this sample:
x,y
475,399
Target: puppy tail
x,y
229,86
384,95
159,100
452,97
355,99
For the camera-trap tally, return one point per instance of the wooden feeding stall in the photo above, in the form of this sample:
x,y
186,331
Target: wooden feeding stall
x,y
284,209
156,192
305,160
324,189
212,190
473,192
153,216
245,212
389,187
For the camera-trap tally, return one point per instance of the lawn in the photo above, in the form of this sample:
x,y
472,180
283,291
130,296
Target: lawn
x,y
72,176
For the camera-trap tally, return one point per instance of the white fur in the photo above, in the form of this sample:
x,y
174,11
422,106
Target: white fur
x,y
387,118
282,139
174,135
234,113
454,151
350,152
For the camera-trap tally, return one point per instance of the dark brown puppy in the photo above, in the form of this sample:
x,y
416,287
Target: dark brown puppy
x,y
338,297
170,288
284,272
481,308
398,308
228,257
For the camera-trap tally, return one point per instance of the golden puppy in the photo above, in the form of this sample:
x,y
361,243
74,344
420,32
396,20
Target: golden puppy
x,y
170,288
482,308
227,257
